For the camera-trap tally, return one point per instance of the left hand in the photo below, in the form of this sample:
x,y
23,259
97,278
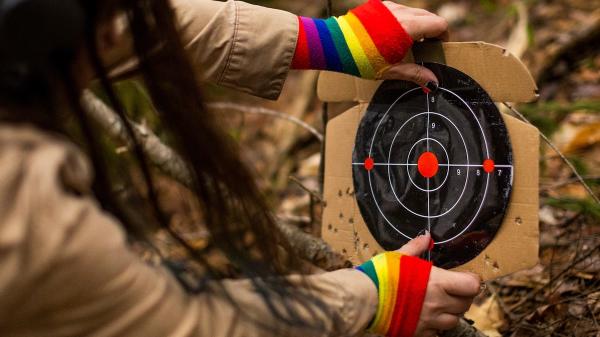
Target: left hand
x,y
449,293
419,24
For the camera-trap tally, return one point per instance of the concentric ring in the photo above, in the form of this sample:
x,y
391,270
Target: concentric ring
x,y
458,203
389,174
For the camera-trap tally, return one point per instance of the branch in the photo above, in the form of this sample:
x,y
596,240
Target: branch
x,y
169,162
266,112
560,154
159,154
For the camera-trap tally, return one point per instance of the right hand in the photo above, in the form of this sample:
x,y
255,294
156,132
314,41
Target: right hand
x,y
449,294
419,24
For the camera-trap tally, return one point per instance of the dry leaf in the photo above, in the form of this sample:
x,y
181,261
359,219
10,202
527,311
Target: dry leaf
x,y
488,316
586,136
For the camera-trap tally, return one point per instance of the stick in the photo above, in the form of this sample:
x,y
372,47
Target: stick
x,y
266,112
169,162
560,154
568,182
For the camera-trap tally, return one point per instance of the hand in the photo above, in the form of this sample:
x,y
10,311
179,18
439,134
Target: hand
x,y
449,294
419,24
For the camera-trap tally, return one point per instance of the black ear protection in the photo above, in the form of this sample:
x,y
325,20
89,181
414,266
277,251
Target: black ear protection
x,y
35,33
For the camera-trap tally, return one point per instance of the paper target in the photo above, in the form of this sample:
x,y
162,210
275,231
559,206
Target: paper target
x,y
438,161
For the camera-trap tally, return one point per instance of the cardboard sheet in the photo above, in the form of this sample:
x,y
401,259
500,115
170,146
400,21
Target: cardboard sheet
x,y
504,77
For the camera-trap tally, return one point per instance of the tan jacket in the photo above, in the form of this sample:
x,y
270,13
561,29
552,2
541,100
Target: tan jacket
x,y
65,268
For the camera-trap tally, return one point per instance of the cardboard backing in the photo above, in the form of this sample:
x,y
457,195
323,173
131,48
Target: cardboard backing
x,y
505,78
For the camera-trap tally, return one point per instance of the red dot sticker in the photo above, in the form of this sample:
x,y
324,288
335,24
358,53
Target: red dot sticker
x,y
428,164
488,165
369,164
431,244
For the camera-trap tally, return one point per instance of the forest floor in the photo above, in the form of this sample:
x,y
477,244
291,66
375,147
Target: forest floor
x,y
560,42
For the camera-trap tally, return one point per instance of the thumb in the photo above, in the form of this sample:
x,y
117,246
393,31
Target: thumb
x,y
416,246
409,72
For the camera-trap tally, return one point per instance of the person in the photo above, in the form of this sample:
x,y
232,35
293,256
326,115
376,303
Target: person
x,y
66,267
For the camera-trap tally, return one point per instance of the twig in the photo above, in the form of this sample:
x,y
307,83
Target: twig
x,y
557,276
168,161
562,156
589,307
314,194
494,292
568,182
266,112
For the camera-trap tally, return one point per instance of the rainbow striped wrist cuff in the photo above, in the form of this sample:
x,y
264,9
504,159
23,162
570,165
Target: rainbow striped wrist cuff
x,y
363,43
401,283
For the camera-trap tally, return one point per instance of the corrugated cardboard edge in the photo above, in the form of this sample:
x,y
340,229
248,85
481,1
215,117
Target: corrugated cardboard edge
x,y
501,74
515,246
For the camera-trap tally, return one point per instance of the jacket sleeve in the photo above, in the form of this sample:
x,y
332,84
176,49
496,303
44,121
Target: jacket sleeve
x,y
66,270
233,44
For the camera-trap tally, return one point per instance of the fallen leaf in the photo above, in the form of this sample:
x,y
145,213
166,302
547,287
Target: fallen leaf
x,y
585,137
488,316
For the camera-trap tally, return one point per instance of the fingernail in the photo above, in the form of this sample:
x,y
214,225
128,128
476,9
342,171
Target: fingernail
x,y
431,244
432,86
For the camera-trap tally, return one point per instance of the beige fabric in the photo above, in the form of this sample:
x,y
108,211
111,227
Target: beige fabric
x,y
233,44
65,269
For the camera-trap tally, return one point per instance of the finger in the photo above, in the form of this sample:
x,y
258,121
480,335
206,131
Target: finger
x,y
444,322
419,11
461,284
410,72
416,246
392,6
444,37
457,305
430,27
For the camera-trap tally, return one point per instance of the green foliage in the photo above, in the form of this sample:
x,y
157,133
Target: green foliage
x,y
585,206
546,116
530,35
489,6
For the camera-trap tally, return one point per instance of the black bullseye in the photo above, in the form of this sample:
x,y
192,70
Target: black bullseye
x,y
438,161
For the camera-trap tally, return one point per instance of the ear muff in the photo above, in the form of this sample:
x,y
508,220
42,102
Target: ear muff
x,y
34,32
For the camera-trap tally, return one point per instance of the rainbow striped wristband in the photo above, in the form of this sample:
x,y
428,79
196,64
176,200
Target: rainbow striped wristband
x,y
363,43
401,283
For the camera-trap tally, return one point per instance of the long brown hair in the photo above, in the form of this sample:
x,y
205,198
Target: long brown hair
x,y
235,212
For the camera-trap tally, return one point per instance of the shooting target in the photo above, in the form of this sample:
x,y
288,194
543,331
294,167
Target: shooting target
x,y
438,161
